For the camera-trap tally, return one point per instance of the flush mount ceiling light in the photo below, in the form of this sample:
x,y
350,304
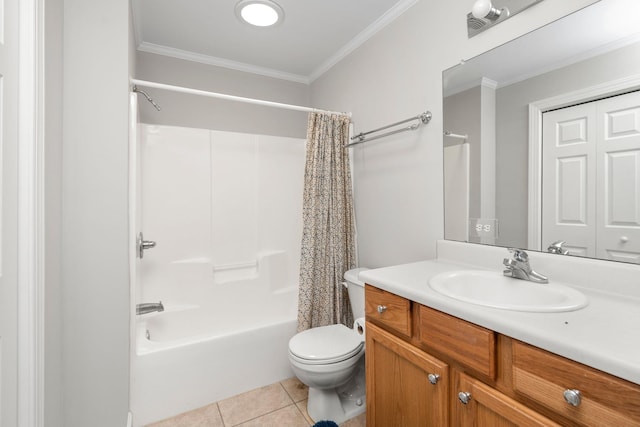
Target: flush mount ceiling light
x,y
261,13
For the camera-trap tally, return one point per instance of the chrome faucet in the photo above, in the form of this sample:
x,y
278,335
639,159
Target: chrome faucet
x,y
518,267
556,248
149,307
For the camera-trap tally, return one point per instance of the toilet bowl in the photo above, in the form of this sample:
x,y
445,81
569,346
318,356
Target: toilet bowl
x,y
329,359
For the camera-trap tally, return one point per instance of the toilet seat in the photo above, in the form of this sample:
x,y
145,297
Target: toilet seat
x,y
325,345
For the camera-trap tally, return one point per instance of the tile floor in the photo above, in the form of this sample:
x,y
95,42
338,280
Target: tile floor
x,y
282,404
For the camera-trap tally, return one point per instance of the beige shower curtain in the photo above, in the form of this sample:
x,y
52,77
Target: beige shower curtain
x,y
328,238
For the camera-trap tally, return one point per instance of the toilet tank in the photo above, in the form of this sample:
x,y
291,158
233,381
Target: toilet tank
x,y
356,291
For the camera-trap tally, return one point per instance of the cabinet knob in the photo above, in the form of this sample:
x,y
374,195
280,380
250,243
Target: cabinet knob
x,y
464,397
573,397
382,309
433,378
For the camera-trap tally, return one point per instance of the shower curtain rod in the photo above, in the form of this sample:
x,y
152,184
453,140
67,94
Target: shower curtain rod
x,y
199,92
454,135
423,118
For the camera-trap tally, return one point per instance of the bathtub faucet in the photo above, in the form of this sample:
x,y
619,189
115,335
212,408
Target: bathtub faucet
x,y
149,307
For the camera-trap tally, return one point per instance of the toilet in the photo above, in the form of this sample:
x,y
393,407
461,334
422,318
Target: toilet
x,y
330,360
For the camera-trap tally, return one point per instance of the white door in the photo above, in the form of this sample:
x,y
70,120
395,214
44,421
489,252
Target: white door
x,y
618,153
591,178
8,212
568,178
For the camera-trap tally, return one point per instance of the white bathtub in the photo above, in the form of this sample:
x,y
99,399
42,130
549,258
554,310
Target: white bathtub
x,y
196,355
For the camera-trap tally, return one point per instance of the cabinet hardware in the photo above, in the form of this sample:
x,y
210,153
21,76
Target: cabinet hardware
x,y
573,397
382,309
433,378
464,397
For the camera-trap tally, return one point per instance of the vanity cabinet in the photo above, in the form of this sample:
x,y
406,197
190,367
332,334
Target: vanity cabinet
x,y
405,386
483,378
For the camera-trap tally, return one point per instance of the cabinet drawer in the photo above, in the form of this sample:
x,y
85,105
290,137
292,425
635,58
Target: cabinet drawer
x,y
471,345
389,310
605,400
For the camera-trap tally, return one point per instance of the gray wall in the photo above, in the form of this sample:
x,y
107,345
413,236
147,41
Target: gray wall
x,y
53,26
94,242
397,74
512,116
208,113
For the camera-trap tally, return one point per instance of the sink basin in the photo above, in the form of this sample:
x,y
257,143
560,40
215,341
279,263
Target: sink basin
x,y
493,289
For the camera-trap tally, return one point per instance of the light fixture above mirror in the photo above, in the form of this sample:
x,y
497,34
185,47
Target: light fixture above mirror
x,y
259,13
487,13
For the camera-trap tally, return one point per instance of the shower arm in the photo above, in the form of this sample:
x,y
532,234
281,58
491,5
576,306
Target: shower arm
x,y
136,89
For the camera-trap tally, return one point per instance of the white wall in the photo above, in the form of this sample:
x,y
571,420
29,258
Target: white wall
x,y
208,113
94,242
398,74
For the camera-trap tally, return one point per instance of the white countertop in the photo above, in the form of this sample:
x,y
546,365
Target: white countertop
x,y
604,335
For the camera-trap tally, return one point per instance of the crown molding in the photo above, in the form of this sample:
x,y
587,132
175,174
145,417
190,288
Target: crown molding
x,y
488,83
220,62
390,16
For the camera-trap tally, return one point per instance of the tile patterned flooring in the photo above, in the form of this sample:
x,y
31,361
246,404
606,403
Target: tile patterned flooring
x,y
282,404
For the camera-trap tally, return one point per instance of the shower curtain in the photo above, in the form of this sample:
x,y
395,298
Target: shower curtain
x,y
328,237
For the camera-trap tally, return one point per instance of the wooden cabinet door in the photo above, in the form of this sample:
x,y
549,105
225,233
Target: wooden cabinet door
x,y
487,407
406,387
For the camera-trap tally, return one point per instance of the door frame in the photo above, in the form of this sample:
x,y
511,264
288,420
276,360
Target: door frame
x,y
536,109
31,215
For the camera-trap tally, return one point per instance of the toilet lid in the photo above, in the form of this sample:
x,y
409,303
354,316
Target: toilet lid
x,y
326,344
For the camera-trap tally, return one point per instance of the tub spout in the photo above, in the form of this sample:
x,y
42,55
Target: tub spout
x,y
149,307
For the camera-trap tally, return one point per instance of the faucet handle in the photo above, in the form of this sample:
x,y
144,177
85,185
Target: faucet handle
x,y
556,248
519,254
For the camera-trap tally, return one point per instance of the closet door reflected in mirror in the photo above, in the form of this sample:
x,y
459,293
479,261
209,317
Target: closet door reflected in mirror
x,y
591,178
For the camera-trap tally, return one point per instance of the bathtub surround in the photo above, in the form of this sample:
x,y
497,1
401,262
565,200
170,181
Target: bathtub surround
x,y
225,211
217,204
328,238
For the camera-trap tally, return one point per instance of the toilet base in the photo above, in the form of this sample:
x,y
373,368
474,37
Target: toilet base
x,y
339,404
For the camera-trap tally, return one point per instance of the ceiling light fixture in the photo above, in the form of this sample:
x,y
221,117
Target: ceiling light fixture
x,y
261,13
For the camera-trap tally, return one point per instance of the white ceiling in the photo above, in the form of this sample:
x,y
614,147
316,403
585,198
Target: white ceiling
x,y
314,36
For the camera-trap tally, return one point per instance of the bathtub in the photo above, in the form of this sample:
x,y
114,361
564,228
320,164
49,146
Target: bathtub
x,y
192,355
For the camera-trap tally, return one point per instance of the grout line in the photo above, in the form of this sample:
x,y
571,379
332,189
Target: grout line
x,y
303,416
286,392
265,414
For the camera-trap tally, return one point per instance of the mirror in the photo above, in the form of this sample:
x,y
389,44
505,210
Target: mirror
x,y
507,180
